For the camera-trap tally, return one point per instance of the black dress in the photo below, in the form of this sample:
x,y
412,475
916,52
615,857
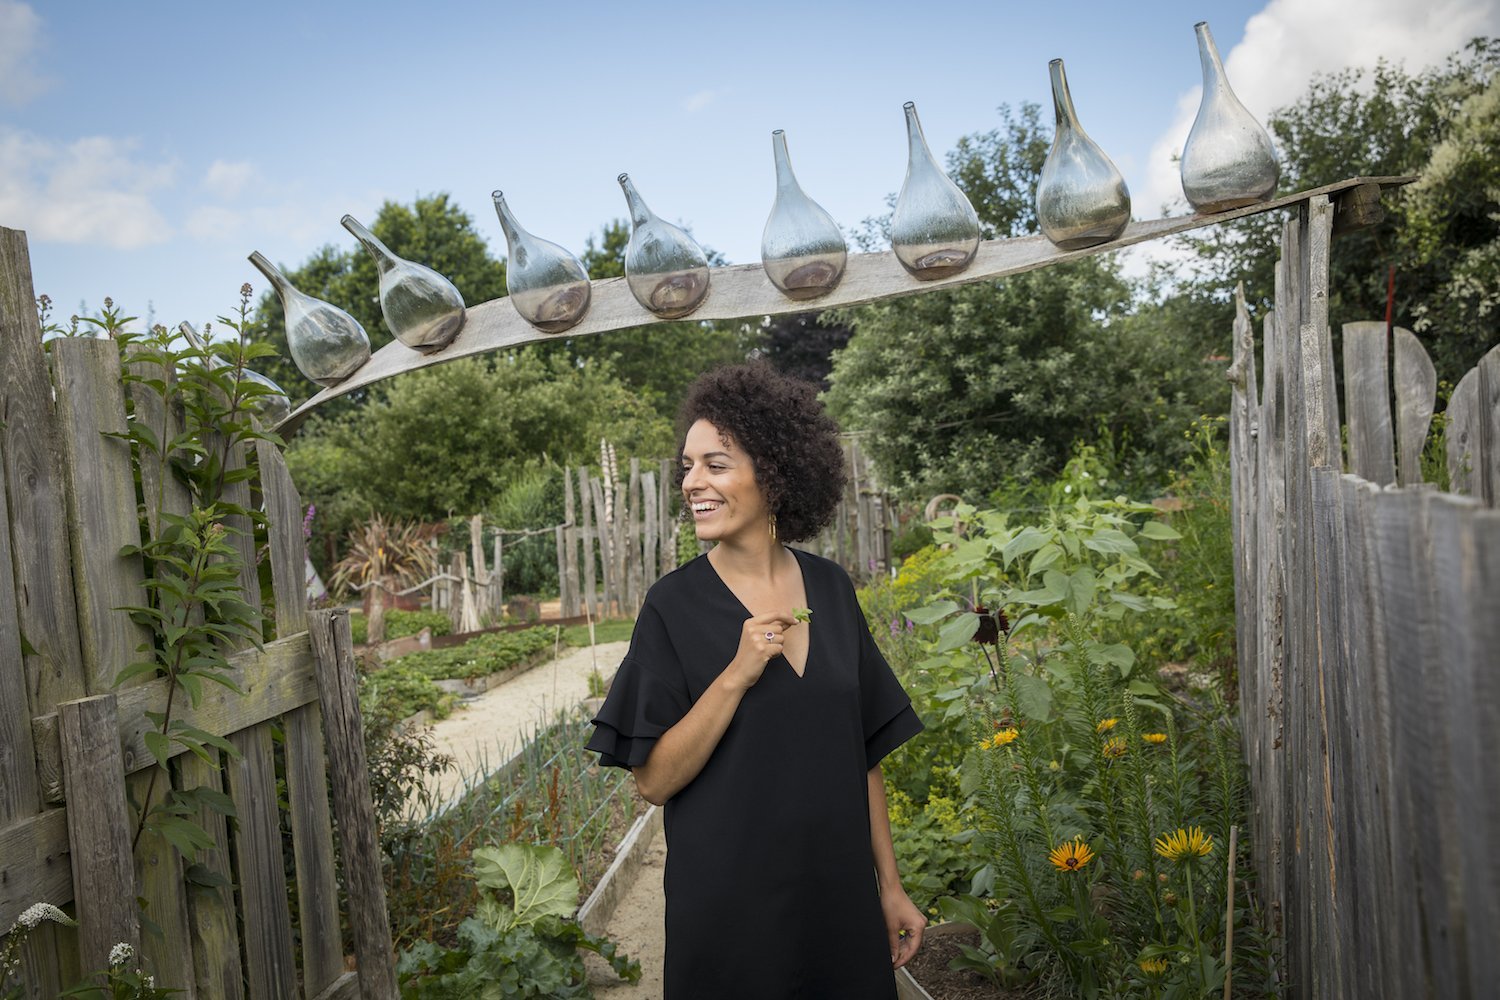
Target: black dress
x,y
770,879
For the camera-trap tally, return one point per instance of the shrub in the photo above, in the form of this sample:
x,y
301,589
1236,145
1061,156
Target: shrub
x,y
400,624
481,656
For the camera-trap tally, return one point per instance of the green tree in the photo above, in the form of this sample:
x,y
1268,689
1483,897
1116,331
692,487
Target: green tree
x,y
962,391
1372,123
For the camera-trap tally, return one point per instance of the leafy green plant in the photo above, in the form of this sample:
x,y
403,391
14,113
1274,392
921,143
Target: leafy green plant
x,y
399,624
10,945
123,980
481,656
399,691
382,556
520,942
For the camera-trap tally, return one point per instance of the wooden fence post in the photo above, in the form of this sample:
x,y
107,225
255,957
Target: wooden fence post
x,y
103,870
338,691
585,501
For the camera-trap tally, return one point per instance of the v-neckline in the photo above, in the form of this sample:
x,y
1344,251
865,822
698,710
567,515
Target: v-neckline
x,y
802,571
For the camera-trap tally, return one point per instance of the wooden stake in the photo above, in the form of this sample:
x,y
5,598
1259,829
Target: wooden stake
x,y
1234,843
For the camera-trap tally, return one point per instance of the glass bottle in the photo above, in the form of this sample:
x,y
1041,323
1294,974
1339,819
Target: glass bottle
x,y
1229,161
802,249
327,343
1081,198
666,270
422,309
547,284
272,408
934,231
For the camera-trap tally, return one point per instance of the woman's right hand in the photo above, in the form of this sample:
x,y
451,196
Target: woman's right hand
x,y
761,640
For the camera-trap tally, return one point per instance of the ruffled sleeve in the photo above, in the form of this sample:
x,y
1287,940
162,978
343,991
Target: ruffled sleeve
x,y
647,697
885,709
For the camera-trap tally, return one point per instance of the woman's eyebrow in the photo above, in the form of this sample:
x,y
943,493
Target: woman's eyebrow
x,y
710,454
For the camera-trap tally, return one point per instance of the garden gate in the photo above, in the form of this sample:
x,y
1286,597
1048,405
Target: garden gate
x,y
73,746
1368,627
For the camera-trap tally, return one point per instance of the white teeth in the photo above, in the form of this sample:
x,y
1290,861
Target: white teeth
x,y
702,506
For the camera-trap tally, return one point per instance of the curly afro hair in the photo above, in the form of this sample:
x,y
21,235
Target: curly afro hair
x,y
778,421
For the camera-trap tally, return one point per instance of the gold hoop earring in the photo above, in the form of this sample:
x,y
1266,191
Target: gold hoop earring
x,y
773,527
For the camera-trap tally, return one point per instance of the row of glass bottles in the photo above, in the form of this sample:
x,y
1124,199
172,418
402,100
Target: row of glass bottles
x,y
1081,201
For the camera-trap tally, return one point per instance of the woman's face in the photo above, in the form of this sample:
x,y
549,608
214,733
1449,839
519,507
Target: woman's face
x,y
719,487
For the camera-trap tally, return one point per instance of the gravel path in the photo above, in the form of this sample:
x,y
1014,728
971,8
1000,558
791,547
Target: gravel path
x,y
637,926
485,732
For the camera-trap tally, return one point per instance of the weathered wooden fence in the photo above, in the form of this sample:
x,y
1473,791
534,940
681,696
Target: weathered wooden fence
x,y
1368,618
73,754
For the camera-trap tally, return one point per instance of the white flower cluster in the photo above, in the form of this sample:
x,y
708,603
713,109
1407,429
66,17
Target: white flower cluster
x,y
120,954
37,912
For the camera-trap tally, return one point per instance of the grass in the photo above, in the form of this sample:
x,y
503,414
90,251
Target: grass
x,y
610,630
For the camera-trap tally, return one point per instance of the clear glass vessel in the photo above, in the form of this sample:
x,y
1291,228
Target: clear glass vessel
x,y
326,343
272,408
1081,197
934,231
666,270
422,309
802,249
1229,161
548,285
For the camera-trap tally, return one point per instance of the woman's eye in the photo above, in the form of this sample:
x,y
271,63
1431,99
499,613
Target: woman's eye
x,y
717,468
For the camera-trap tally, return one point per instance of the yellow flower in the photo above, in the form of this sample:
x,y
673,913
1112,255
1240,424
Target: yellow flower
x,y
1154,737
1071,857
1153,966
1183,844
1105,724
1114,747
1000,739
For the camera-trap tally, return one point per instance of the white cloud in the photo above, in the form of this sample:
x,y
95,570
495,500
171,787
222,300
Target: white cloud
x,y
1290,41
700,100
93,190
20,36
226,179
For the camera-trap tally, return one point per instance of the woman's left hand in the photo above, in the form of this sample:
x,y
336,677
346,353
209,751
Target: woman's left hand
x,y
903,925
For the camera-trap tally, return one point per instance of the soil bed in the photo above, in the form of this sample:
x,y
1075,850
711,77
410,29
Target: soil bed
x,y
930,969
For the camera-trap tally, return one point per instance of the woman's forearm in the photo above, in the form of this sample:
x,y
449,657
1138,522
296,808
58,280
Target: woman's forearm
x,y
682,751
881,844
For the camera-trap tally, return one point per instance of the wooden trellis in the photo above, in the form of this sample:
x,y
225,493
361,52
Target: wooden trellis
x,y
72,746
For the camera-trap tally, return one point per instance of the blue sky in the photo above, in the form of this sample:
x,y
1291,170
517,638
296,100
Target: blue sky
x,y
148,148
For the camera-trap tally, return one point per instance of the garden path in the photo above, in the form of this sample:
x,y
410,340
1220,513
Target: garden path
x,y
484,732
638,927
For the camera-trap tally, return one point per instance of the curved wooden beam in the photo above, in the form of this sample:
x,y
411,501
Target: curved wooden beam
x,y
743,290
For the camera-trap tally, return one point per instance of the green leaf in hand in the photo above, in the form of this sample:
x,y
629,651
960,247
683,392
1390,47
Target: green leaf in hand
x,y
802,614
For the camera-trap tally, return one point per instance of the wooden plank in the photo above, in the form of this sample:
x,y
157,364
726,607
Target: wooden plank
x,y
632,531
667,484
651,567
1243,413
1420,759
1465,658
103,874
1323,415
270,968
34,863
567,574
288,549
585,500
274,681
159,887
213,929
606,549
1489,428
338,687
1462,433
1416,390
743,290
20,794
312,846
346,987
1357,208
32,455
1367,403
160,488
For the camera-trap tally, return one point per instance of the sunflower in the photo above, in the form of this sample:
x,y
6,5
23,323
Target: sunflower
x,y
1071,857
1153,966
1154,737
1114,747
1105,724
1184,844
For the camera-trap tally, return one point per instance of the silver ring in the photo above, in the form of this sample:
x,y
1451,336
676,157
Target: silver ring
x,y
770,636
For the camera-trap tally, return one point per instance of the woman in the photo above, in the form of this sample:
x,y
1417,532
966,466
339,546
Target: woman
x,y
762,733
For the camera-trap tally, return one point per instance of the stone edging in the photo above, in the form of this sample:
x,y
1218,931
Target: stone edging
x,y
595,913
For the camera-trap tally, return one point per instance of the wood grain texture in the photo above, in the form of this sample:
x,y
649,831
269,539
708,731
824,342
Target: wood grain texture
x,y
590,579
270,968
288,549
1416,391
34,863
1488,396
1367,402
161,490
1462,435
213,928
33,469
161,892
346,987
338,687
1357,208
103,873
20,793
312,848
275,680
743,290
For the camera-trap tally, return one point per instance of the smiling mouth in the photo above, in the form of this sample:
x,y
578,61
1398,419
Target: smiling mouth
x,y
704,508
